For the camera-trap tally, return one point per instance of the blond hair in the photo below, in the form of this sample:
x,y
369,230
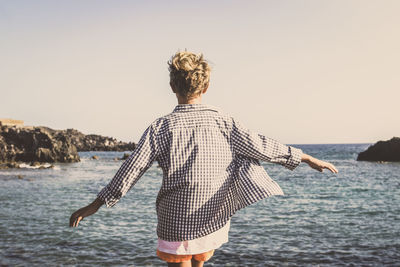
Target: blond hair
x,y
189,73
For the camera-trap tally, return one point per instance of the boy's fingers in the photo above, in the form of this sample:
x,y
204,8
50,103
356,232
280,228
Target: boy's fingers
x,y
332,168
71,220
79,219
321,165
76,221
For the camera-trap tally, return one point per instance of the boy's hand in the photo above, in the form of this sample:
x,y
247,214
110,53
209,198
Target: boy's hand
x,y
78,215
317,164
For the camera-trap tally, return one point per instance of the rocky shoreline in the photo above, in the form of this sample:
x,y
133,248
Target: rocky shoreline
x,y
93,142
35,145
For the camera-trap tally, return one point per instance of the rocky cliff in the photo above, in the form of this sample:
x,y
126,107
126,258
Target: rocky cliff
x,y
382,151
38,144
42,144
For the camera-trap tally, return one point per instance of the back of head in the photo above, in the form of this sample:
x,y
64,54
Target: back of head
x,y
189,73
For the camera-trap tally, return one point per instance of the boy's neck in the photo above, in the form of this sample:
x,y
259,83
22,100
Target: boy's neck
x,y
183,100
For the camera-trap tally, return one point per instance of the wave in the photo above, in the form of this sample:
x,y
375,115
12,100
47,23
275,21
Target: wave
x,y
45,166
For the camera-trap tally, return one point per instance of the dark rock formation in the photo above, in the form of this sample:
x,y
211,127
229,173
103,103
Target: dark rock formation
x,y
35,144
382,151
93,142
42,144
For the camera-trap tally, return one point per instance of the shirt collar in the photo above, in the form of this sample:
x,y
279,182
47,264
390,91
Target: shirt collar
x,y
194,107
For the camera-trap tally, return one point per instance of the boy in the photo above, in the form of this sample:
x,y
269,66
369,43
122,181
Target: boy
x,y
210,166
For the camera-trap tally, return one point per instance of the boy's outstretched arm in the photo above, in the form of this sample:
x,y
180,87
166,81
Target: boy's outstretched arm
x,y
127,175
317,164
90,209
258,146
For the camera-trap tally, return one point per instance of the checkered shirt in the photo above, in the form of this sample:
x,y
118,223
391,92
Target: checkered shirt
x,y
211,169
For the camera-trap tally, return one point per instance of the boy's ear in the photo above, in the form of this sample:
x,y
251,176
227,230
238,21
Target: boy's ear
x,y
172,87
205,88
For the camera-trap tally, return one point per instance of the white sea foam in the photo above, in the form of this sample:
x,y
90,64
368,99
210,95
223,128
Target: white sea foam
x,y
45,165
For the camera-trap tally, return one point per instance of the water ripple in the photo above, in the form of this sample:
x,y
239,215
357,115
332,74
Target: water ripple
x,y
349,219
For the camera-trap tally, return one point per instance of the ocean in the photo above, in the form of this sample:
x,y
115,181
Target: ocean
x,y
348,219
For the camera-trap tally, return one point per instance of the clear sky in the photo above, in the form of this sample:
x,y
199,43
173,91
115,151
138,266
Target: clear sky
x,y
296,71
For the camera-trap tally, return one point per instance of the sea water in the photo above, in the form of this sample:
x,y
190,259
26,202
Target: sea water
x,y
348,219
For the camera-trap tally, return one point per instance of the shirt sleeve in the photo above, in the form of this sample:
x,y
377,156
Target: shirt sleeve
x,y
132,169
258,146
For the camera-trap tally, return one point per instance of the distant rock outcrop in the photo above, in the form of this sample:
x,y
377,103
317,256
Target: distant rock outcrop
x,y
382,151
43,144
93,142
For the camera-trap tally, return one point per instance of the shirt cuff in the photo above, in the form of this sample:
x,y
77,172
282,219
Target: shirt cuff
x,y
294,159
108,198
